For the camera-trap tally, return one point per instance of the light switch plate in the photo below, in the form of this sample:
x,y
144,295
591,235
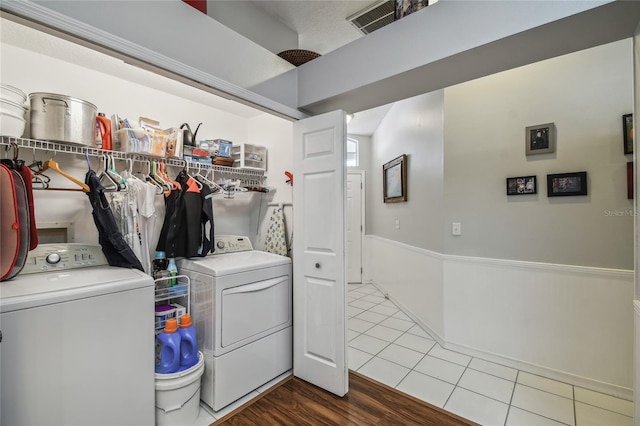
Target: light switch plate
x,y
456,228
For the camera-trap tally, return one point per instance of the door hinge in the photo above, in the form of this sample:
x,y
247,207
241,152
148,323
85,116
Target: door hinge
x,y
361,228
361,186
360,270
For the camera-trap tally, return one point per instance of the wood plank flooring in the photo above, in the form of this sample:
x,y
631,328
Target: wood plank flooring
x,y
296,402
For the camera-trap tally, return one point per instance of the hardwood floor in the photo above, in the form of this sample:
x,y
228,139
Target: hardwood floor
x,y
296,402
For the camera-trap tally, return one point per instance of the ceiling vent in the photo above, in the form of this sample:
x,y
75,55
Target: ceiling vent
x,y
373,17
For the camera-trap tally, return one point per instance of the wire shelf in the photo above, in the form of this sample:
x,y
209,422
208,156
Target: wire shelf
x,y
247,176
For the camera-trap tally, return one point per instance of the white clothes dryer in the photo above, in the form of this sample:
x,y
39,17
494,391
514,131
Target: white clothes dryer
x,y
241,305
76,341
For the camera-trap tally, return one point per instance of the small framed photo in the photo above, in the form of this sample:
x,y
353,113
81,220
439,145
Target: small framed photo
x,y
540,139
394,177
522,185
564,184
627,133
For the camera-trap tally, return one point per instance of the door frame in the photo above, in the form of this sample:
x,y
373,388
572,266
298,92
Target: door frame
x,y
362,214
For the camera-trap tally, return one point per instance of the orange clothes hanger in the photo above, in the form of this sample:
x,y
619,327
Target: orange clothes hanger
x,y
53,165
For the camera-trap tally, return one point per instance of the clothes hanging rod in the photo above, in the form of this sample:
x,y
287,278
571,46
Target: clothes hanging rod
x,y
61,147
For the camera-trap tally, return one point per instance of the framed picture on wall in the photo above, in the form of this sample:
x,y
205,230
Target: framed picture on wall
x,y
540,139
564,184
522,185
394,180
627,133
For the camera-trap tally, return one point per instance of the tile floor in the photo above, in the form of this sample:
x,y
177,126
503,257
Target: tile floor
x,y
386,345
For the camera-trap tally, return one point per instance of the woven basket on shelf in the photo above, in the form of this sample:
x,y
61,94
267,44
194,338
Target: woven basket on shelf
x,y
298,57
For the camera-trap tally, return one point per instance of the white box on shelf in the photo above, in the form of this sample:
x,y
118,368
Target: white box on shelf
x,y
249,156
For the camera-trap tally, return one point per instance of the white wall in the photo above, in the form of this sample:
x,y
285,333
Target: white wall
x,y
35,68
585,94
506,289
413,127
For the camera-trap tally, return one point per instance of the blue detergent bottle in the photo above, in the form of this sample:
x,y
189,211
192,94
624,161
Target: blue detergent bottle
x,y
167,353
188,343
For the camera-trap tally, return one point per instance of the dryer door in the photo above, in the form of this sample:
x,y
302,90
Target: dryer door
x,y
251,311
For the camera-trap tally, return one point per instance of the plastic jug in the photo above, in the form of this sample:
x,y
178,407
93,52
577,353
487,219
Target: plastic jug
x,y
167,353
188,342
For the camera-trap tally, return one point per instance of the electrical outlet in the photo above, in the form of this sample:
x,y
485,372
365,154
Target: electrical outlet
x,y
456,228
397,223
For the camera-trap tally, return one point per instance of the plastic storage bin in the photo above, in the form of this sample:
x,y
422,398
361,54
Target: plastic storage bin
x,y
248,156
140,142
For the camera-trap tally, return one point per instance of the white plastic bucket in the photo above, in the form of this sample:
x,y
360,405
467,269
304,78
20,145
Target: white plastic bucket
x,y
178,395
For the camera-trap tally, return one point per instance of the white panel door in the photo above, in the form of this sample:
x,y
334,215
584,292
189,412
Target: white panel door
x,y
319,272
354,227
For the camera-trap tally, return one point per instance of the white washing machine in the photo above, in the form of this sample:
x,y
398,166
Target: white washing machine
x,y
77,341
241,304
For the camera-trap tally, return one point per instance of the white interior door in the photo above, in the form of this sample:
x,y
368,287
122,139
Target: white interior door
x,y
319,272
354,227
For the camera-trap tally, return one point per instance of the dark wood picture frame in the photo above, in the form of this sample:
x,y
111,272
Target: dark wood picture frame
x,y
522,185
566,184
394,180
540,139
627,133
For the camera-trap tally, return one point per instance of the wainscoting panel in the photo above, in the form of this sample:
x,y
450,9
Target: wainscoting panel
x,y
565,322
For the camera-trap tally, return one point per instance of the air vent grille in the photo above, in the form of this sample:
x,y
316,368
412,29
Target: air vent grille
x,y
374,17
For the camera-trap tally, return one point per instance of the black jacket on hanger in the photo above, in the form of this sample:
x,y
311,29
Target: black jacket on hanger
x,y
114,247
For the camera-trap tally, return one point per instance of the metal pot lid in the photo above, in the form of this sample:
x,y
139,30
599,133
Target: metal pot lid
x,y
59,97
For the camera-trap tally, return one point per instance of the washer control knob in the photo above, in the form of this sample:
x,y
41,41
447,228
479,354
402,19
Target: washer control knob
x,y
220,244
53,258
317,266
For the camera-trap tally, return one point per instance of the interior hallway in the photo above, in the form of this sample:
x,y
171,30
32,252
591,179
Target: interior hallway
x,y
386,345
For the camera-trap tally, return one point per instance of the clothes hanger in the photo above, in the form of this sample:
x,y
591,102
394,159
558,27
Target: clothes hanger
x,y
108,183
53,165
114,175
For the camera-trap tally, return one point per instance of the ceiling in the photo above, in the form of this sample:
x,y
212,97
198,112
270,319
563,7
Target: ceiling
x,y
322,27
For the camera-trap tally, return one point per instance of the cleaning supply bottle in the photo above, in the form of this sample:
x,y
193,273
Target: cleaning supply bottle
x,y
173,270
167,354
160,263
104,127
188,342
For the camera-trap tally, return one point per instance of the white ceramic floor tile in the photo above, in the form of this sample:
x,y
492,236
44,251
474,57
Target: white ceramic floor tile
x,y
548,385
352,311
418,331
440,369
357,294
359,325
368,344
384,333
620,406
351,299
401,355
426,388
487,385
368,289
357,358
477,408
204,418
371,317
388,302
385,310
373,298
518,417
402,316
455,357
352,334
494,369
588,415
543,403
362,304
414,342
384,371
398,324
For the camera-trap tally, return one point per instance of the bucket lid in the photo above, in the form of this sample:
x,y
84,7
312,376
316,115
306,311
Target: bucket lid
x,y
61,97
